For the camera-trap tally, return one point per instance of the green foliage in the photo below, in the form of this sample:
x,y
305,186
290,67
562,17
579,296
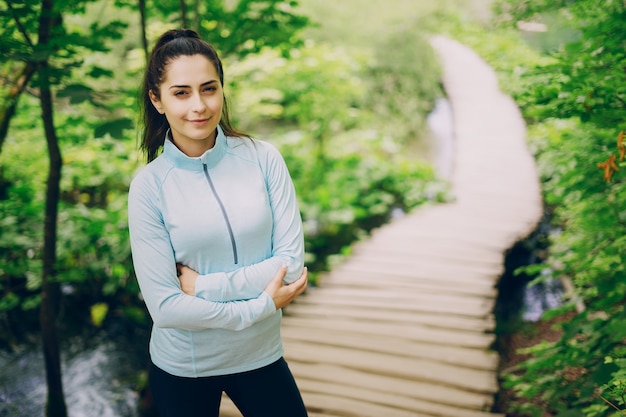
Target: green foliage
x,y
69,43
404,82
323,93
574,96
22,175
93,255
318,89
357,188
587,78
327,90
350,175
589,248
236,28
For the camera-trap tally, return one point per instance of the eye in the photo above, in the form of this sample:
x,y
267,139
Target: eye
x,y
179,93
210,89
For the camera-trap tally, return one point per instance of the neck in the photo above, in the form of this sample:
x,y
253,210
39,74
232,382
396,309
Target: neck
x,y
195,148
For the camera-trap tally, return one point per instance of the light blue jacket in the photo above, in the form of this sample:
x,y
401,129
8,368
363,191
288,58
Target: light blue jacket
x,y
232,215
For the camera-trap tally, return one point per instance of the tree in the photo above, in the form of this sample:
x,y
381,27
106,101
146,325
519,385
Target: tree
x,y
38,63
246,28
35,60
577,104
55,404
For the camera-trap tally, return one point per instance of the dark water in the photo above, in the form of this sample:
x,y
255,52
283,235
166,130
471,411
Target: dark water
x,y
539,298
102,374
523,297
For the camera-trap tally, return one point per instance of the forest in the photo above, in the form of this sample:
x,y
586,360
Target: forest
x,y
357,149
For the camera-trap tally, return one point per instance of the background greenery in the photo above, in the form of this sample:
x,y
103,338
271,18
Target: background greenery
x,y
349,119
345,100
569,81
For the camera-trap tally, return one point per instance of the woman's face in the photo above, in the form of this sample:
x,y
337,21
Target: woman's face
x,y
191,97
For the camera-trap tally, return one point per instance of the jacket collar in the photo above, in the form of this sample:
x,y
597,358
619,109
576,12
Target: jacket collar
x,y
210,158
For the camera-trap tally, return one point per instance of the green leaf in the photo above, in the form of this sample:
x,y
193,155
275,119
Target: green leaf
x,y
77,93
98,313
604,373
9,301
116,128
97,72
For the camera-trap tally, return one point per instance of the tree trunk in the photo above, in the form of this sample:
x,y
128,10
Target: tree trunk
x,y
144,39
50,294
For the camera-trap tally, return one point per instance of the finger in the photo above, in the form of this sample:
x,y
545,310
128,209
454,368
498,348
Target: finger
x,y
302,282
277,280
282,271
304,277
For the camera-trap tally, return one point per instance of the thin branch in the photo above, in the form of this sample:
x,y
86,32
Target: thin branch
x,y
20,27
612,405
183,13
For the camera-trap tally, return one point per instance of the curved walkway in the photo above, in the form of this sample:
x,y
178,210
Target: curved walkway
x,y
404,326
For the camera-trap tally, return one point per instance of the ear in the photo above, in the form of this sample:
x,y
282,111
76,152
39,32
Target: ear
x,y
155,101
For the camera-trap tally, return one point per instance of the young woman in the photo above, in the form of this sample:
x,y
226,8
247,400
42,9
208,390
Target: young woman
x,y
217,243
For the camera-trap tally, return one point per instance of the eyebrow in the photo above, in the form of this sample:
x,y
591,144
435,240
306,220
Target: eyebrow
x,y
201,85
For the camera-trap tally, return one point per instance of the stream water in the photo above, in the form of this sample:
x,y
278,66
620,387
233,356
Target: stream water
x,y
520,298
101,371
100,375
441,135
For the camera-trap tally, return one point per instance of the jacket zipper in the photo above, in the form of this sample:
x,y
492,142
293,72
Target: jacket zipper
x,y
217,197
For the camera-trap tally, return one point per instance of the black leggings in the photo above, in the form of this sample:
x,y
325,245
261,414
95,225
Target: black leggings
x,y
270,391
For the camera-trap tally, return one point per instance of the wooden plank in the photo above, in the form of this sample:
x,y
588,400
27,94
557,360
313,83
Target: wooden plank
x,y
472,380
372,382
373,281
418,251
400,296
408,318
368,399
433,350
334,405
356,274
440,272
406,264
420,303
374,330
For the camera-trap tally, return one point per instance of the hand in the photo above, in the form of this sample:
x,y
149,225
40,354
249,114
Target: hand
x,y
187,278
285,294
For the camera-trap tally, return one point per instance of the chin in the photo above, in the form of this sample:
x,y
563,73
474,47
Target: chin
x,y
202,136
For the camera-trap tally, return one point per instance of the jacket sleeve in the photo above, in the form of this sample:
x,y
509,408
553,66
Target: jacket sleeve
x,y
154,262
287,239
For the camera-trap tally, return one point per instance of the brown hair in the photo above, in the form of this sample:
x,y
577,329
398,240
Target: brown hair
x,y
168,47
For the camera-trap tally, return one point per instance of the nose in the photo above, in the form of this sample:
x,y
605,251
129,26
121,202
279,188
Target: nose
x,y
198,105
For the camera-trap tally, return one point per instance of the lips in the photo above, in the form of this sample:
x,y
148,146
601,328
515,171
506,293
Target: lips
x,y
199,122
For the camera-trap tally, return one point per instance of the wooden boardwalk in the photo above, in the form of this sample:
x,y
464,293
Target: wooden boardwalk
x,y
404,327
